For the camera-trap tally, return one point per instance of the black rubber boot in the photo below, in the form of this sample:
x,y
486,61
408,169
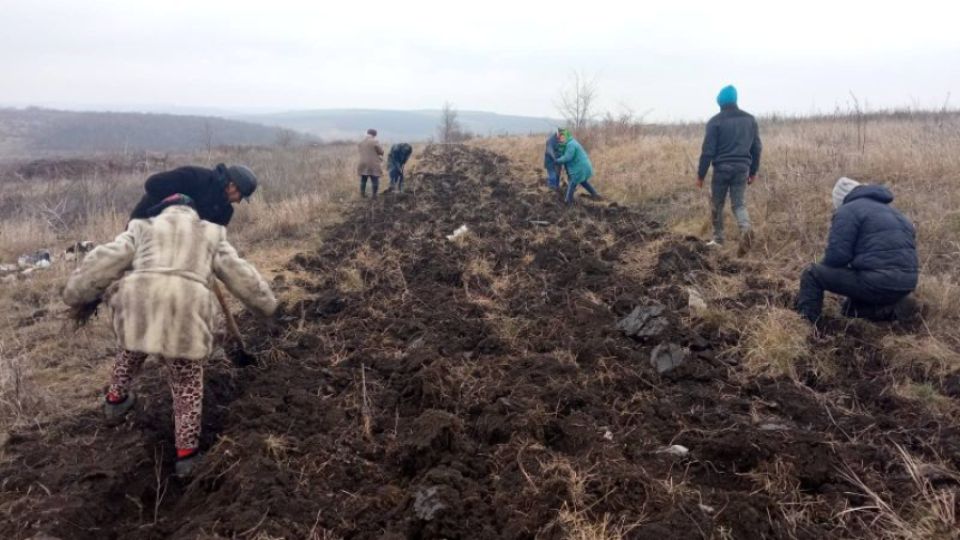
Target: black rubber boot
x,y
115,413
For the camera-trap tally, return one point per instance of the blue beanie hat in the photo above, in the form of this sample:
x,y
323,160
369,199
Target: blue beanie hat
x,y
727,96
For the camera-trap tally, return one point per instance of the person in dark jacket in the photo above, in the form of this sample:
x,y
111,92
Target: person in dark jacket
x,y
214,191
871,256
732,145
550,156
396,159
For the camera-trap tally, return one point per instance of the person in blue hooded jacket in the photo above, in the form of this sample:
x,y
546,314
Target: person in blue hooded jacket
x,y
579,168
731,143
871,256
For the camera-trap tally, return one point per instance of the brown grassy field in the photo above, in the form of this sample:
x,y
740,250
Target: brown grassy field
x,y
49,374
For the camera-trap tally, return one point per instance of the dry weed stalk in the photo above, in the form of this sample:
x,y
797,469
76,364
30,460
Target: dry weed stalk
x,y
366,418
930,514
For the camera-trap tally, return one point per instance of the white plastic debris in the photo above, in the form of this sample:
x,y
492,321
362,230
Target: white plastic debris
x,y
461,230
706,508
37,259
695,300
675,450
608,435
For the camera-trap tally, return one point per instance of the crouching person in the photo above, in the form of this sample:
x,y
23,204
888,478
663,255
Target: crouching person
x,y
871,257
164,306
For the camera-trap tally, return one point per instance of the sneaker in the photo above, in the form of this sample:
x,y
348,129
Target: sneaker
x,y
115,413
186,466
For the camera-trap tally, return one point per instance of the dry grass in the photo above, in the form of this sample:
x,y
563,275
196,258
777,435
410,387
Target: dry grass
x,y
774,342
927,395
931,514
577,525
934,356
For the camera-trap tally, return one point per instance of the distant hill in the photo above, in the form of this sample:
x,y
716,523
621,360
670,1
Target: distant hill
x,y
33,132
333,124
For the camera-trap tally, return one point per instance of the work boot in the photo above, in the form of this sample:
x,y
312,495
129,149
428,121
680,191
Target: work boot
x,y
115,413
907,309
746,243
186,466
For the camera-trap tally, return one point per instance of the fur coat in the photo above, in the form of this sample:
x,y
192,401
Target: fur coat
x,y
156,278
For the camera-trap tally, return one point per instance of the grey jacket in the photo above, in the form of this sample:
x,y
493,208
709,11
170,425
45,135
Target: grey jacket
x,y
732,137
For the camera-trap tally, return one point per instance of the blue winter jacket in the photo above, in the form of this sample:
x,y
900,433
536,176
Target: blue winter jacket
x,y
579,168
550,152
870,236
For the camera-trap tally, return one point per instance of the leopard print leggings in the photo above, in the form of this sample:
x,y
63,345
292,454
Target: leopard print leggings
x,y
186,386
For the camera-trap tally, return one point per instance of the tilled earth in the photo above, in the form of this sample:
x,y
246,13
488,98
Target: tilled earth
x,y
415,386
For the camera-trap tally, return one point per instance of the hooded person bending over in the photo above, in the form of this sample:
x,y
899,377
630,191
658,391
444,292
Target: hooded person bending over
x,y
156,278
871,257
213,191
396,160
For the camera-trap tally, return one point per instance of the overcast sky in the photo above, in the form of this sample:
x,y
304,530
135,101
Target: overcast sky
x,y
669,58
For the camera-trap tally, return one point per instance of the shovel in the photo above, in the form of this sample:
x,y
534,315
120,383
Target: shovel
x,y
233,348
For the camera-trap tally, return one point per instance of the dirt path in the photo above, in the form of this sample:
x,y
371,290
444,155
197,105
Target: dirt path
x,y
418,387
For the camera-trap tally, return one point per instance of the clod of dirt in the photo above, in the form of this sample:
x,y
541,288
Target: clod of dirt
x,y
434,433
645,322
667,357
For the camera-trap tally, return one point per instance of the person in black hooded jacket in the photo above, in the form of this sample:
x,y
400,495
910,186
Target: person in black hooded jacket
x,y
213,191
871,256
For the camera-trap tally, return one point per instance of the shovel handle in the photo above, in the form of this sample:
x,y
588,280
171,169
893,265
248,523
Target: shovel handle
x,y
231,322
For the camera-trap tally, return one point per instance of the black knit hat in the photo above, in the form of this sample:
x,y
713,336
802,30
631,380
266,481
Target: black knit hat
x,y
243,178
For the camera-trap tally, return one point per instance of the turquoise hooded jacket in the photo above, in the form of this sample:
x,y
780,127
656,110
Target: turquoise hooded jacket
x,y
574,157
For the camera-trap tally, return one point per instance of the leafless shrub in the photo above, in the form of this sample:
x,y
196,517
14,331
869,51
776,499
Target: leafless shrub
x,y
576,102
450,129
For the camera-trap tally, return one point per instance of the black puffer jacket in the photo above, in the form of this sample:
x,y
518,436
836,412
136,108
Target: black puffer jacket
x,y
870,236
205,186
399,154
732,137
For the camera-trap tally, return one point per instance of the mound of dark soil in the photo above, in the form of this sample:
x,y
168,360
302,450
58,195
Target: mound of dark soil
x,y
480,387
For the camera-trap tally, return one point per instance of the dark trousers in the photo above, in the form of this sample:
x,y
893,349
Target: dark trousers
x,y
732,180
396,179
374,184
817,279
571,187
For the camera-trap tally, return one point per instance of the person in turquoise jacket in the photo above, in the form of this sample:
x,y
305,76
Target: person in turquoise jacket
x,y
579,168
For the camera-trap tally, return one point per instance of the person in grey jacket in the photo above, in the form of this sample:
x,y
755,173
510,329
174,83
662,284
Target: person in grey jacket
x,y
732,145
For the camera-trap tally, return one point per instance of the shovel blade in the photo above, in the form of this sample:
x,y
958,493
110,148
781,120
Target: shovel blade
x,y
238,355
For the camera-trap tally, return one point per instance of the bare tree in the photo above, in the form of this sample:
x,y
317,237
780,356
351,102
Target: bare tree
x,y
450,130
577,100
